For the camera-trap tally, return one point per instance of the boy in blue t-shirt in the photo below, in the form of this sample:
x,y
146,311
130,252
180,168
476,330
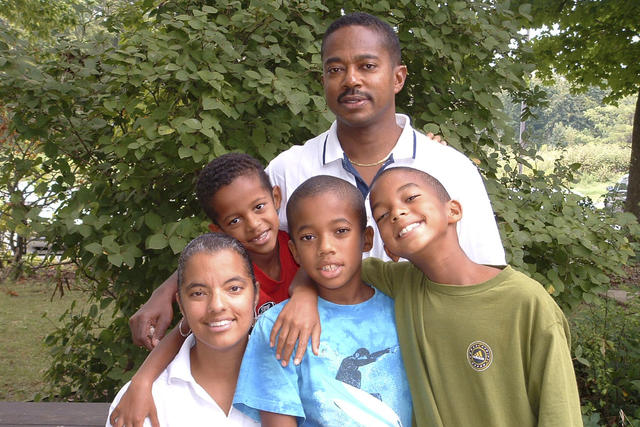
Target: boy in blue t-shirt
x,y
358,377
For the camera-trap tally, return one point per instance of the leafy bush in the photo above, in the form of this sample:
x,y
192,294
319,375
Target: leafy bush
x,y
606,345
558,237
598,162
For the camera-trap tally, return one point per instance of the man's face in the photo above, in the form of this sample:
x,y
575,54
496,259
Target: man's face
x,y
359,77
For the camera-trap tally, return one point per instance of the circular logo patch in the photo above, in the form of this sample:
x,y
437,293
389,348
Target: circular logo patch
x,y
266,306
479,355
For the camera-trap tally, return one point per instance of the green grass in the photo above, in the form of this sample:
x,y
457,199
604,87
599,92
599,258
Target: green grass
x,y
594,190
25,356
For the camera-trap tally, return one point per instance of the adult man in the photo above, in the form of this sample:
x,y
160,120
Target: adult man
x,y
362,72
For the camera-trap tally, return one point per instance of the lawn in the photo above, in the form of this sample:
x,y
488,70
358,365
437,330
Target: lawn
x,y
27,314
594,190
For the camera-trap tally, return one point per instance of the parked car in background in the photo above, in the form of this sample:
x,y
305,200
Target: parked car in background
x,y
616,194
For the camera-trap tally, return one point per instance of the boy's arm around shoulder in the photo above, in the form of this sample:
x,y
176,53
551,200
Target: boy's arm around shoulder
x,y
115,421
386,276
149,324
263,383
136,404
298,321
552,383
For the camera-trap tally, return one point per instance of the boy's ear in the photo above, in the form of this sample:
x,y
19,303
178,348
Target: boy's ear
x,y
214,228
368,239
294,251
455,211
277,196
391,255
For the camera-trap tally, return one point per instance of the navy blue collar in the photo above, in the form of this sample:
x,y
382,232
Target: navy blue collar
x,y
348,166
326,138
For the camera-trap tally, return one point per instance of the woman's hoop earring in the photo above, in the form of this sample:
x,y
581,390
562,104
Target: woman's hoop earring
x,y
184,335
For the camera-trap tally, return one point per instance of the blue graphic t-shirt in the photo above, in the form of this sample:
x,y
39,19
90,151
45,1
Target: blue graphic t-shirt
x,y
358,379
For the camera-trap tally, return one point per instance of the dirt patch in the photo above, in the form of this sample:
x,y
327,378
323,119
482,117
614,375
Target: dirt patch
x,y
632,280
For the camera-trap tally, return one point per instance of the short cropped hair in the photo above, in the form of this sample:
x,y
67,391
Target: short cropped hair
x,y
221,172
211,243
430,181
365,20
322,184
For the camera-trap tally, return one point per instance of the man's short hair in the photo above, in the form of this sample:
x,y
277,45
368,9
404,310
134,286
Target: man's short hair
x,y
430,181
221,172
365,20
322,184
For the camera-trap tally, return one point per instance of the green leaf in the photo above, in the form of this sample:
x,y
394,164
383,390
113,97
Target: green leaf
x,y
157,241
177,244
165,130
94,247
193,124
185,152
115,259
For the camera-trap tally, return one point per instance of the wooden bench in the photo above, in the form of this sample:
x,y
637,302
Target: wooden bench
x,y
53,414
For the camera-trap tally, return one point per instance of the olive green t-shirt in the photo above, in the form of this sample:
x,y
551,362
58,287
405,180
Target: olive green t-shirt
x,y
491,354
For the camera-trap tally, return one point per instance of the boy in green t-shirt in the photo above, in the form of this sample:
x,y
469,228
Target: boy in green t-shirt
x,y
481,345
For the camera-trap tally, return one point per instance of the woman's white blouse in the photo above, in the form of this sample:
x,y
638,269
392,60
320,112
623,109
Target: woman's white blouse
x,y
181,401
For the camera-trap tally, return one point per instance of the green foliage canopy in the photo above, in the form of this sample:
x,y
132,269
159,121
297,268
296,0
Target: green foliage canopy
x,y
595,43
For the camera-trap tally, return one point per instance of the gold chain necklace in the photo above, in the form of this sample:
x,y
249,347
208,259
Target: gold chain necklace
x,y
366,165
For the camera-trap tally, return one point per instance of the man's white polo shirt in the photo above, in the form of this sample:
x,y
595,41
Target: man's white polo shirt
x,y
181,401
323,155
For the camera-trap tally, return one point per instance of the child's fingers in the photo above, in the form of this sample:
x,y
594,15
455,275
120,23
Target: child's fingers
x,y
282,337
274,332
114,418
302,346
288,344
153,417
315,338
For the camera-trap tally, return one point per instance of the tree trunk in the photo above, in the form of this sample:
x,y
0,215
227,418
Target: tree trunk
x,y
632,203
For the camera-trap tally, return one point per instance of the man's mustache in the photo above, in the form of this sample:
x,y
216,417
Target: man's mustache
x,y
353,92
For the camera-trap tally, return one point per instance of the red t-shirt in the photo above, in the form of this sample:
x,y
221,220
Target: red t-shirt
x,y
274,291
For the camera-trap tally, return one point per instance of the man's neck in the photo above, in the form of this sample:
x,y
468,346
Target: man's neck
x,y
371,143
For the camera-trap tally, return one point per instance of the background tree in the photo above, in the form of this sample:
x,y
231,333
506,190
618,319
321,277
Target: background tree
x,y
128,125
595,43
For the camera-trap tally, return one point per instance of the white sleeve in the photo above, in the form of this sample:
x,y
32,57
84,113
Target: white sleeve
x,y
477,231
276,172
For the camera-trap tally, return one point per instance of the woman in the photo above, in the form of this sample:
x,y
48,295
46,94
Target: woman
x,y
217,294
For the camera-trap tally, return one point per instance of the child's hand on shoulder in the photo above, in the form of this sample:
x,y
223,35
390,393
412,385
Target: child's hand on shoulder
x,y
298,321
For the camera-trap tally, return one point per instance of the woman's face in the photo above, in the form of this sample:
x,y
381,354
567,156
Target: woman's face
x,y
217,298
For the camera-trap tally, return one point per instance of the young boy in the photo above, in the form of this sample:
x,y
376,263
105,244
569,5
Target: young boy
x,y
482,345
358,377
235,193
